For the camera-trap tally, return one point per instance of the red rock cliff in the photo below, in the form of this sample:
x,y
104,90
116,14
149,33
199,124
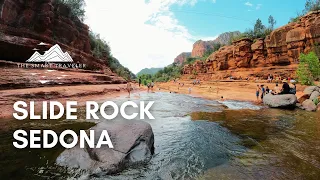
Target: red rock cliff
x,y
282,47
181,58
25,23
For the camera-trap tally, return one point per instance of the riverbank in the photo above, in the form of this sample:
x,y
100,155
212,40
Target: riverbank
x,y
214,90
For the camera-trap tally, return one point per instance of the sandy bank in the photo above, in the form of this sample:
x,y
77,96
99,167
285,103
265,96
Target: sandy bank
x,y
230,90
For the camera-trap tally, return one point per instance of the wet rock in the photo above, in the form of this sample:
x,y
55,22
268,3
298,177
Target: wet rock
x,y
280,101
309,105
299,105
309,90
133,143
303,98
314,95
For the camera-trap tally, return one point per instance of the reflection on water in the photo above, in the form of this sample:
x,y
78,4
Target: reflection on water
x,y
201,139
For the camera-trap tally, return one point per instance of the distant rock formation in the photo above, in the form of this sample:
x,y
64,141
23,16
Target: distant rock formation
x,y
201,47
281,48
181,58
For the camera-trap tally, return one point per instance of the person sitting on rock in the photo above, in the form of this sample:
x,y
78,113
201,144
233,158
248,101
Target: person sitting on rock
x,y
285,88
276,90
267,90
293,88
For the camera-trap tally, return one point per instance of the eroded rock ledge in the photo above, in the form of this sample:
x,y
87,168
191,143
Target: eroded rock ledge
x,y
281,48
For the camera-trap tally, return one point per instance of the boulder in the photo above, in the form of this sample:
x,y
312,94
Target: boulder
x,y
303,98
314,95
309,90
309,105
280,101
133,143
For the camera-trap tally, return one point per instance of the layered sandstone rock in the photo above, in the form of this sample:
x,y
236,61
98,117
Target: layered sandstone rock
x,y
25,23
181,58
259,53
281,48
199,67
187,69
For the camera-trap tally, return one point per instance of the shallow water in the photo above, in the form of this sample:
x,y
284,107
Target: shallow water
x,y
197,139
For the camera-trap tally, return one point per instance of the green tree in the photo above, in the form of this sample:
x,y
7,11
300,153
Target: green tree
x,y
312,5
272,22
308,69
76,7
259,28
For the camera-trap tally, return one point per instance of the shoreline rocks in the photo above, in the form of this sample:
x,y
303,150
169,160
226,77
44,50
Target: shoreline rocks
x,y
133,143
280,101
310,104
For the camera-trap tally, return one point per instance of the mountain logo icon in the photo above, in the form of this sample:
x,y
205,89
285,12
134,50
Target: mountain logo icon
x,y
54,54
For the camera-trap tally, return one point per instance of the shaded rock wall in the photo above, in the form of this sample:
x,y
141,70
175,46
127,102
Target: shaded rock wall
x,y
25,23
281,48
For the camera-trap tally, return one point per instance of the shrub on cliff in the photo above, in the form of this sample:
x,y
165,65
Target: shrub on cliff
x,y
259,31
99,47
309,68
310,5
76,7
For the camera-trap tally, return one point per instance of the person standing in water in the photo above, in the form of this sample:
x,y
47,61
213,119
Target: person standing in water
x,y
152,84
263,91
148,85
129,87
257,92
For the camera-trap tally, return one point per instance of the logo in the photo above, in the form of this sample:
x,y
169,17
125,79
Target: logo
x,y
54,54
52,58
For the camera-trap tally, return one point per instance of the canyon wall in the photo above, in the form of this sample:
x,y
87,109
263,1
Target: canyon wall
x,y
281,48
26,23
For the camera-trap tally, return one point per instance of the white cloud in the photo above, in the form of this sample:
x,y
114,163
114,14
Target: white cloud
x,y
248,4
258,6
141,34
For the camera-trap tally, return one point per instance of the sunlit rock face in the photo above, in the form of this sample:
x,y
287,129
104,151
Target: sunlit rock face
x,y
281,48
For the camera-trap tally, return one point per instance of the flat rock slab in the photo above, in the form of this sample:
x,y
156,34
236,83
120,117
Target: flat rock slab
x,y
280,101
133,143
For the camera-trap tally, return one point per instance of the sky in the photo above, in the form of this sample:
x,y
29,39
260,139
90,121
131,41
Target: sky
x,y
151,33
